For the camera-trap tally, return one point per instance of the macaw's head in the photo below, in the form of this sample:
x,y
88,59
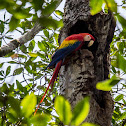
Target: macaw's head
x,y
88,39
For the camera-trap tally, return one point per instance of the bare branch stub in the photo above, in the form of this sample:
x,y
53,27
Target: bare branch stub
x,y
78,78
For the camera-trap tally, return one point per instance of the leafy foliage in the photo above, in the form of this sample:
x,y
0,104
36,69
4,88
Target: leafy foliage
x,y
63,109
79,115
76,117
107,84
27,62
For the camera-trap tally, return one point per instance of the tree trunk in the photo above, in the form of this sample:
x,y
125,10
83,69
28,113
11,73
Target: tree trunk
x,y
78,78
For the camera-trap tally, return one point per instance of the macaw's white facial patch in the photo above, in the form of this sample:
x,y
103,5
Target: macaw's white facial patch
x,y
90,43
87,38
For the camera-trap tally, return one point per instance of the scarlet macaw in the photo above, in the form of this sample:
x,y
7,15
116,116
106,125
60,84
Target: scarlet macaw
x,y
70,45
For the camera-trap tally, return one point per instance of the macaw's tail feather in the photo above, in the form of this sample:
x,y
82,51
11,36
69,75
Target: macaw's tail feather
x,y
55,74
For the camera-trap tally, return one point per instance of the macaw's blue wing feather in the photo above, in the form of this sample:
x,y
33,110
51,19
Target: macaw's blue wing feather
x,y
62,53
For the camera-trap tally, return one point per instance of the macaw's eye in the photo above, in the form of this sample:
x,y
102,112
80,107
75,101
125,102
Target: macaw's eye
x,y
88,36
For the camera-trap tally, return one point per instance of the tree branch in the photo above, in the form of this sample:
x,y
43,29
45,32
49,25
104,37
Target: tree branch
x,y
23,39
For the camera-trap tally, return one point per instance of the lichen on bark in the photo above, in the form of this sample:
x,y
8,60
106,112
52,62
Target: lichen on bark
x,y
78,78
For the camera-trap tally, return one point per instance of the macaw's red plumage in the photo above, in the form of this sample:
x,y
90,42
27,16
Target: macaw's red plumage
x,y
70,45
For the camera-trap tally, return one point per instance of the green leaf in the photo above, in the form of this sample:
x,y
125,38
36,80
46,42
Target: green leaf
x,y
42,46
21,14
58,12
80,111
121,20
37,4
2,73
119,97
18,71
46,33
41,55
1,65
107,84
63,109
121,46
50,8
48,22
12,62
19,86
60,23
13,24
119,62
33,54
23,48
11,87
28,104
124,101
96,6
8,70
31,46
28,69
15,107
88,124
123,116
112,5
29,86
11,115
40,120
4,88
113,69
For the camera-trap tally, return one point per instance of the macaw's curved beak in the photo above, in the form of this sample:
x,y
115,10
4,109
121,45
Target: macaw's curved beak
x,y
91,42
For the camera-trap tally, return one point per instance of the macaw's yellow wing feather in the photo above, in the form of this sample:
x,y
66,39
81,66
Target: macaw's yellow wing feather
x,y
67,43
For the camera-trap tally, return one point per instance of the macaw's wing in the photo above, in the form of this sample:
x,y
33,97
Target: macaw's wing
x,y
62,53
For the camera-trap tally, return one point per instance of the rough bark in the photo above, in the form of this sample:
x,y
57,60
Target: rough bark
x,y
78,78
